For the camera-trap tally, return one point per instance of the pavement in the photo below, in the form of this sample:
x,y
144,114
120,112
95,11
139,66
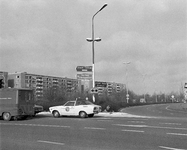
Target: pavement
x,y
108,114
120,114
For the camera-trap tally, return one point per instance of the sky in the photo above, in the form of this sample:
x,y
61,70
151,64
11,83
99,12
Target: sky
x,y
48,37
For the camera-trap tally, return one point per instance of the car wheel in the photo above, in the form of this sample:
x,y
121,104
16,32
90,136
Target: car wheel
x,y
6,116
90,115
82,114
56,114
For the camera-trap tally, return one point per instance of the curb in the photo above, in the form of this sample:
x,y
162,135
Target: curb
x,y
105,114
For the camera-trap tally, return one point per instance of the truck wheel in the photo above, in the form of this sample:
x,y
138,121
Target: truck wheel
x,y
56,114
6,116
82,114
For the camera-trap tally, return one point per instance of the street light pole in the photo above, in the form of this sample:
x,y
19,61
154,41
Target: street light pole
x,y
93,54
127,95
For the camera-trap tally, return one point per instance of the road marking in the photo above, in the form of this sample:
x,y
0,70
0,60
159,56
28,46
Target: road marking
x,y
104,120
137,121
170,148
125,125
178,134
172,123
146,126
35,125
49,142
132,130
93,128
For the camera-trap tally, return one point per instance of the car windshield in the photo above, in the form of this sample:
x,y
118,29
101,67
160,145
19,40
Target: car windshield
x,y
84,102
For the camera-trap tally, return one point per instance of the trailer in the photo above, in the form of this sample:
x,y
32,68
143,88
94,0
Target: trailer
x,y
16,103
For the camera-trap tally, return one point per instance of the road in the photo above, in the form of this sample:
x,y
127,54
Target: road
x,y
167,130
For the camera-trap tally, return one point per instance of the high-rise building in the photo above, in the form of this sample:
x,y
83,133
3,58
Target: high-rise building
x,y
41,84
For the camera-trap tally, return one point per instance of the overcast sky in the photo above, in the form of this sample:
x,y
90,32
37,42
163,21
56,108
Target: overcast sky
x,y
48,37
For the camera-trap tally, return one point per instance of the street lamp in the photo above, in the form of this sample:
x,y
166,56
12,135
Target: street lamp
x,y
93,40
127,95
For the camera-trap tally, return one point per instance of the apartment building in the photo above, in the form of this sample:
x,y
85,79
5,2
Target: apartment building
x,y
41,84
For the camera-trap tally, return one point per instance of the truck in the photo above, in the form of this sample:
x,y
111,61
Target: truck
x,y
16,103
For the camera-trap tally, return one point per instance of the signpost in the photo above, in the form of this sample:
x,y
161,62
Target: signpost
x,y
84,68
84,76
94,90
100,84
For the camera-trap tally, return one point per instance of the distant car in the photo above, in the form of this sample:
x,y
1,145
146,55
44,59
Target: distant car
x,y
37,109
82,108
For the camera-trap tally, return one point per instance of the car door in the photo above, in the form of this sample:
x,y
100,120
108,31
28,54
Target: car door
x,y
69,108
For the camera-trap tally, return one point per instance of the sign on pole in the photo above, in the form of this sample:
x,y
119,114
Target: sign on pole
x,y
94,90
84,68
100,84
84,76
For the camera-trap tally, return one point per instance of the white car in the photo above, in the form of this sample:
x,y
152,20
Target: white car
x,y
82,108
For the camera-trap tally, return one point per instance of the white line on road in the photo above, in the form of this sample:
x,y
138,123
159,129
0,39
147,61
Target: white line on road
x,y
126,125
137,121
177,134
170,148
35,125
133,131
146,126
172,123
105,120
102,118
93,128
49,142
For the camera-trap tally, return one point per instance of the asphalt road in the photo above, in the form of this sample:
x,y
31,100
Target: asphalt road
x,y
167,130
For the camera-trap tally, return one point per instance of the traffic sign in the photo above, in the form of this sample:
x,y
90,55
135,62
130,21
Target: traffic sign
x,y
84,76
84,68
94,90
100,84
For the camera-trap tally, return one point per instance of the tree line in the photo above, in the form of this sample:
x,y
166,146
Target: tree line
x,y
115,100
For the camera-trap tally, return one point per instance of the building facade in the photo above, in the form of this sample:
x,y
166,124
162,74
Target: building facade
x,y
42,84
